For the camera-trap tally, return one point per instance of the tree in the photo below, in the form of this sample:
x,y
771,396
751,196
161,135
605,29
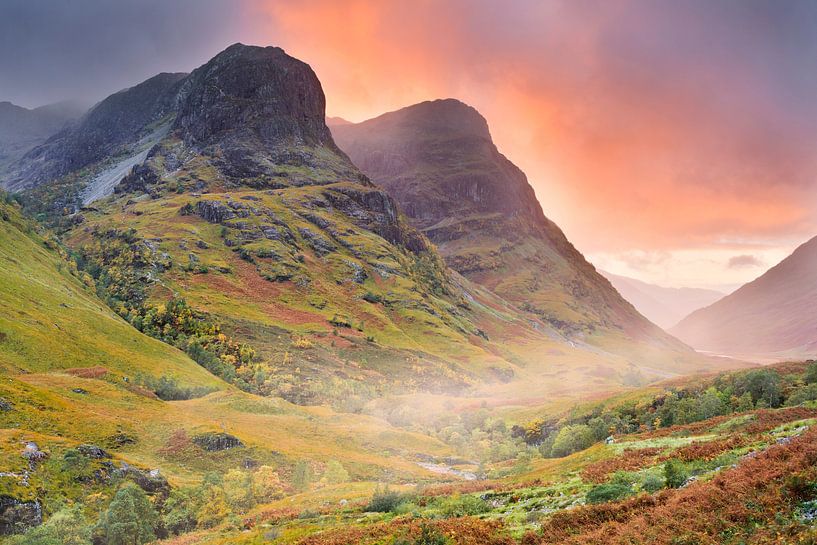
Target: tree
x,y
238,489
130,518
710,404
302,476
763,385
214,508
268,484
180,511
675,474
811,373
335,473
572,439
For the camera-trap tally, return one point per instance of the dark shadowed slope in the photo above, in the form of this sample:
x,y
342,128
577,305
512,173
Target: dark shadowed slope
x,y
21,129
774,316
438,160
661,305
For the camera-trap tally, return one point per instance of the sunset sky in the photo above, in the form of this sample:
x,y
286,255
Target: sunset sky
x,y
672,141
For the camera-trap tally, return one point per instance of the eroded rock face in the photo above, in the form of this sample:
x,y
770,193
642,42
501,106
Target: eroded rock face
x,y
18,516
213,442
253,91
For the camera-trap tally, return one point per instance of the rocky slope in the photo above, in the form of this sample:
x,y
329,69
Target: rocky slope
x,y
107,130
661,305
774,316
438,160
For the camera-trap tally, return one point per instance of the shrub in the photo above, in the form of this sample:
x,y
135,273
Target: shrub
x,y
385,500
572,439
461,506
675,473
129,519
608,492
652,483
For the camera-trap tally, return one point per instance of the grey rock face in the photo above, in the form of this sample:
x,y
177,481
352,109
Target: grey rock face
x,y
18,516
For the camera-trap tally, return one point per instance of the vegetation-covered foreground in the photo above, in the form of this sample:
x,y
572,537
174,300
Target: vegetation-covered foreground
x,y
124,453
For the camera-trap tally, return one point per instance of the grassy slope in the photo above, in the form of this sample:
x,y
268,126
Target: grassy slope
x,y
418,337
50,320
69,409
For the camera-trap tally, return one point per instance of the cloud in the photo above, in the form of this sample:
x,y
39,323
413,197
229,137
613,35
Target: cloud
x,y
743,261
52,50
647,125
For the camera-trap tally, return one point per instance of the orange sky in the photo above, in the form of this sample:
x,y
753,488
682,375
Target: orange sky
x,y
664,139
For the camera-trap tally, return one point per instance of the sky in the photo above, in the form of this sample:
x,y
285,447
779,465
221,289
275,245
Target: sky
x,y
672,141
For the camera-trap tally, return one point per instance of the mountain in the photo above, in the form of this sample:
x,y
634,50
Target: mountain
x,y
21,129
439,162
228,191
774,316
662,306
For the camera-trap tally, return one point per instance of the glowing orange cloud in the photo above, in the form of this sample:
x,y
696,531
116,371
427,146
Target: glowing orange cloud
x,y
631,136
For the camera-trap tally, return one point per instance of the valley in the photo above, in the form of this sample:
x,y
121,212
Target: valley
x,y
224,322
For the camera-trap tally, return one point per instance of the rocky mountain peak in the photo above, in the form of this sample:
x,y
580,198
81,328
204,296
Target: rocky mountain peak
x,y
254,91
448,116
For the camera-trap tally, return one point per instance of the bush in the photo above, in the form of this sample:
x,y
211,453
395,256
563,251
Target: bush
x,y
130,518
572,439
461,506
652,483
65,527
802,395
335,473
675,473
608,492
385,500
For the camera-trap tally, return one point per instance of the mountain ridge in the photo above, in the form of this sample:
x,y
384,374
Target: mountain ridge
x,y
438,160
773,316
662,305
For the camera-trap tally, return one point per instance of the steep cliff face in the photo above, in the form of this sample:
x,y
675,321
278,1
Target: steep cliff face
x,y
439,161
260,110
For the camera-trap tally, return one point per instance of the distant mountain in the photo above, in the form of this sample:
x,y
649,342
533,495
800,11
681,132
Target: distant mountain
x,y
774,316
334,121
439,161
21,129
662,306
105,130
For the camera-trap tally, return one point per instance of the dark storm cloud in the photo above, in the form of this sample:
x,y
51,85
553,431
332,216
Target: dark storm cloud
x,y
58,49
